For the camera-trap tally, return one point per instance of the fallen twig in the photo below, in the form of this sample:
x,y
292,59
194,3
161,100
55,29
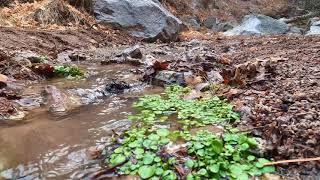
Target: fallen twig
x,y
292,161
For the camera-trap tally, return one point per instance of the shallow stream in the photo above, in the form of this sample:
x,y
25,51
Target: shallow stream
x,y
47,146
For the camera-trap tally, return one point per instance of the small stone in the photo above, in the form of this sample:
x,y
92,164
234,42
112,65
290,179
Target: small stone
x,y
169,77
3,81
133,52
77,57
93,152
270,177
18,116
211,23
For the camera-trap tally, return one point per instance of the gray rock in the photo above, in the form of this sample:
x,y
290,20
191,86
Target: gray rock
x,y
259,25
211,23
192,23
146,19
315,27
168,77
133,52
29,56
225,26
295,30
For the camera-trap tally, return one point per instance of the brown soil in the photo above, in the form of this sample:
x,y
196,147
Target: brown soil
x,y
51,42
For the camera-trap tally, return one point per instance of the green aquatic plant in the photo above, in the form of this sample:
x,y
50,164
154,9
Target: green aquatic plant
x,y
153,108
64,70
144,151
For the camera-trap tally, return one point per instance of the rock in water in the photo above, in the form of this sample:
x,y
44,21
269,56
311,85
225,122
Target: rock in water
x,y
315,27
259,25
146,19
117,87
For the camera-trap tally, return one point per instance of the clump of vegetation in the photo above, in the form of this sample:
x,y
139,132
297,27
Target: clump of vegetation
x,y
63,70
144,150
190,113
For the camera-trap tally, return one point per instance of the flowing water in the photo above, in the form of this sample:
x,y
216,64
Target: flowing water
x,y
46,146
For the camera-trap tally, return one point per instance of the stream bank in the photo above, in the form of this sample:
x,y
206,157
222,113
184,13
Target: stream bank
x,y
266,79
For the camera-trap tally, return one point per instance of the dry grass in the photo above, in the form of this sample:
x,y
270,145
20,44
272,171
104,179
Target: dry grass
x,y
45,14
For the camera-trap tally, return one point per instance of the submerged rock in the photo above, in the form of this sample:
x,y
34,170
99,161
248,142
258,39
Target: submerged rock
x,y
259,25
58,102
117,87
146,19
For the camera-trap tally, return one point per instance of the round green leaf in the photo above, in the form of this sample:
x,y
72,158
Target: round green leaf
x,y
251,158
163,132
202,172
148,159
153,137
214,168
138,151
146,172
159,171
118,159
189,163
190,177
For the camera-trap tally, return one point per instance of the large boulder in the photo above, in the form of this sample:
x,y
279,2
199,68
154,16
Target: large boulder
x,y
146,19
259,25
315,27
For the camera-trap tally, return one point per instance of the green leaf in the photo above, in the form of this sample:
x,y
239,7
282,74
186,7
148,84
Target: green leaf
x,y
244,146
146,143
169,175
261,162
153,137
189,163
198,145
189,177
138,151
202,172
200,152
118,150
159,171
214,168
118,159
217,146
148,159
146,172
251,158
243,177
134,144
235,170
163,132
268,169
157,159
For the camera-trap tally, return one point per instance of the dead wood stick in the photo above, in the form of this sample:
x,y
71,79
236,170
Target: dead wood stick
x,y
292,161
